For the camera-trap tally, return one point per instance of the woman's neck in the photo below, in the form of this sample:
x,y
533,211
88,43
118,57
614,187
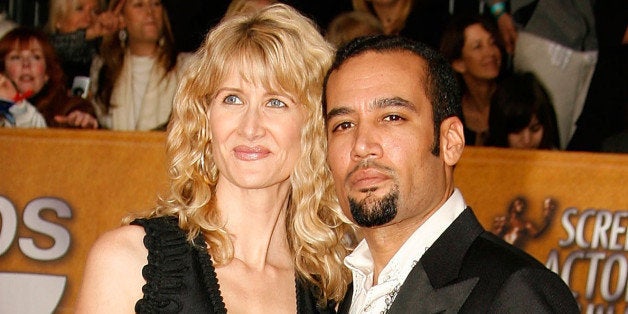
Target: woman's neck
x,y
144,49
255,220
478,93
391,14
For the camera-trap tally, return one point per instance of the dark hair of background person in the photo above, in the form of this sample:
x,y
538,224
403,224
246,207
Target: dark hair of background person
x,y
53,98
516,101
440,85
453,39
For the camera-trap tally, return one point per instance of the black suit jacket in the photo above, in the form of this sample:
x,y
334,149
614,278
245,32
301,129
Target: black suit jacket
x,y
469,270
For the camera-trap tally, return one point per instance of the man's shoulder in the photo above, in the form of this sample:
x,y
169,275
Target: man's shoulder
x,y
492,253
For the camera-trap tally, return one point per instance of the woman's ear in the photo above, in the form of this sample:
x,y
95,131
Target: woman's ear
x,y
451,140
459,66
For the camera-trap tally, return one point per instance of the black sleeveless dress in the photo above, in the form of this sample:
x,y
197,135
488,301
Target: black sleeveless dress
x,y
180,277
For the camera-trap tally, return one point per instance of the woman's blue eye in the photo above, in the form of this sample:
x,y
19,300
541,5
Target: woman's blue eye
x,y
276,103
232,99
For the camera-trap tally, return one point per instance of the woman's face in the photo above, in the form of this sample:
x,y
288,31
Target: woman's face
x,y
528,138
143,20
480,57
256,134
26,67
80,15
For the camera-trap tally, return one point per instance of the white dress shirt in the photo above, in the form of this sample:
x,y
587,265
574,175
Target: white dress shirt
x,y
377,299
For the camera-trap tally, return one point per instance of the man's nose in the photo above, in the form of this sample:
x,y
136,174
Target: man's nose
x,y
367,143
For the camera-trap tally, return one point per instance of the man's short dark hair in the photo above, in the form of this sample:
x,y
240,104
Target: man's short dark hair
x,y
441,85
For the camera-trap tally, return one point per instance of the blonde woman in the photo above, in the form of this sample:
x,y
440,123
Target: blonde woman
x,y
75,28
137,72
251,213
246,6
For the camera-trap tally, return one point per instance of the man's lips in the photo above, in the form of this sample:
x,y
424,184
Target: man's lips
x,y
367,178
250,153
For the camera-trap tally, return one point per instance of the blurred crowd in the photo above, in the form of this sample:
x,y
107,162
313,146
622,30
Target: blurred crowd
x,y
533,74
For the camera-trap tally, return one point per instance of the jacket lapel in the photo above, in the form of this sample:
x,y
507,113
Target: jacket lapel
x,y
418,296
433,285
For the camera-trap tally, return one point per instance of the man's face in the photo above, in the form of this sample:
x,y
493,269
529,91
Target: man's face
x,y
380,136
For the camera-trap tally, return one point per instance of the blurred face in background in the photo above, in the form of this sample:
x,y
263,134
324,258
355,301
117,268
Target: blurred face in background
x,y
480,57
529,137
144,20
26,67
81,15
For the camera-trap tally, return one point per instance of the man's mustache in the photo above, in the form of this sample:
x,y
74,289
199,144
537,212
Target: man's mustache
x,y
370,163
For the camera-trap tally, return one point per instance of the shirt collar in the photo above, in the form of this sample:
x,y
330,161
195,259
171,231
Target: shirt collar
x,y
360,261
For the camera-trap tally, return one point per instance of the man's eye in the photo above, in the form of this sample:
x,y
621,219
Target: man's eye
x,y
232,99
393,117
342,126
277,103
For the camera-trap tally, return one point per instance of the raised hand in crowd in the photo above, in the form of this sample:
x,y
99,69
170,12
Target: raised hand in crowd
x,y
106,23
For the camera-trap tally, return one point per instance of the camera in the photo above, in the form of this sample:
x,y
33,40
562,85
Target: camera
x,y
80,86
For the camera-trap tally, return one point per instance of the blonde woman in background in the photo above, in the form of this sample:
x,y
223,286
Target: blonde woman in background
x,y
349,25
251,223
75,28
137,72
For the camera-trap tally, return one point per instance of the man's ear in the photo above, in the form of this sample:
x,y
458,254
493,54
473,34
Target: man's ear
x,y
451,140
459,66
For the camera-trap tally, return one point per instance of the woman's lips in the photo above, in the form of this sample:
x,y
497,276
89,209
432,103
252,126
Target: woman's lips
x,y
26,78
250,153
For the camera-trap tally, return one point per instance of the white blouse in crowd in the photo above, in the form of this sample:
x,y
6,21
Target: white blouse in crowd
x,y
142,95
378,299
141,67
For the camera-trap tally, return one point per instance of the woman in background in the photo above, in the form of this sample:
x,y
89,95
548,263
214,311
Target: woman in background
x,y
350,25
251,223
28,59
74,28
136,74
522,115
470,43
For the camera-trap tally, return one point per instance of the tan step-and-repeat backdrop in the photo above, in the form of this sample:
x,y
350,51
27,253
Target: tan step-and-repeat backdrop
x,y
60,189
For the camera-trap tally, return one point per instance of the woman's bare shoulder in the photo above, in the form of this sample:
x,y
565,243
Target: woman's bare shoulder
x,y
113,271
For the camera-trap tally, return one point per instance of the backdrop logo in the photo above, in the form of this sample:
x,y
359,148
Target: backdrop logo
x,y
594,249
17,289
33,220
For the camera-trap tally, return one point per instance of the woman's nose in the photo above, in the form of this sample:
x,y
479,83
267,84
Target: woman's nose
x,y
252,125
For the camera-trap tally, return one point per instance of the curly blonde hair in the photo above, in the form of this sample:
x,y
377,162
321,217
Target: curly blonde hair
x,y
284,51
